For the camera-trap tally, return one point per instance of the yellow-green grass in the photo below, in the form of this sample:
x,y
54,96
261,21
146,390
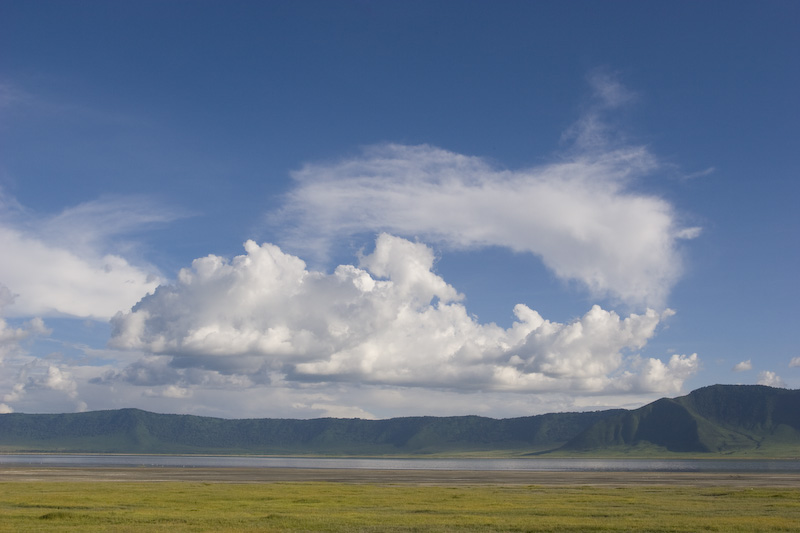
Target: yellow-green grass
x,y
322,506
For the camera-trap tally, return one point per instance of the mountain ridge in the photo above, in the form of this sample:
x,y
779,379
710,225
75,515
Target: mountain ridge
x,y
722,419
742,420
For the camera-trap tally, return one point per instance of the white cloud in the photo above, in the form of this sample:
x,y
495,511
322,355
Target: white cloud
x,y
51,280
16,392
59,380
264,335
170,391
100,223
770,379
653,374
699,174
689,233
390,321
743,366
157,373
593,131
794,362
6,297
50,381
205,392
11,337
608,91
578,215
61,265
581,214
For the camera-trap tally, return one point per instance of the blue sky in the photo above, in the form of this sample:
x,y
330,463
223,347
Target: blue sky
x,y
376,209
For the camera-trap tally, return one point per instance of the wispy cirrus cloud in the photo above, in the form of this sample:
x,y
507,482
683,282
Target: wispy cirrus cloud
x,y
578,215
594,130
582,213
72,263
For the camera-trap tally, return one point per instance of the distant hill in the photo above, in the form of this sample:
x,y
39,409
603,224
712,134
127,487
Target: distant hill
x,y
722,419
136,431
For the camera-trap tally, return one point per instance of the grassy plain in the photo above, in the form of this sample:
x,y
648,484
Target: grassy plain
x,y
433,504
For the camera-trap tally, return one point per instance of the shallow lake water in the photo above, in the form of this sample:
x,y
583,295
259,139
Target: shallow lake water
x,y
522,465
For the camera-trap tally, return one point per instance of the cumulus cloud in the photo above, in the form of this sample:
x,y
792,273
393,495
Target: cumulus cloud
x,y
62,265
11,337
770,379
59,380
655,375
158,374
794,362
391,320
294,341
36,375
743,366
170,391
15,393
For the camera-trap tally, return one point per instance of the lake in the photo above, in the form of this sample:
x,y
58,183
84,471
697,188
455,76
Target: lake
x,y
521,465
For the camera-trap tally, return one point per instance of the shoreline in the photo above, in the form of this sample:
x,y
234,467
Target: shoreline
x,y
139,474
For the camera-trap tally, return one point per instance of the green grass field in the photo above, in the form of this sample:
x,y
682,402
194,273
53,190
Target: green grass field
x,y
186,506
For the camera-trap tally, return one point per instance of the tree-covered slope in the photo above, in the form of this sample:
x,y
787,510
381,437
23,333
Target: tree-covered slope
x,y
136,431
716,419
721,419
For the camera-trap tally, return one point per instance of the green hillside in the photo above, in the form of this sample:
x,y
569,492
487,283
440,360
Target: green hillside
x,y
136,431
720,419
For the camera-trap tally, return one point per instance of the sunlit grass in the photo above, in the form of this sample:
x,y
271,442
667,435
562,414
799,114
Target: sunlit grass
x,y
184,506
